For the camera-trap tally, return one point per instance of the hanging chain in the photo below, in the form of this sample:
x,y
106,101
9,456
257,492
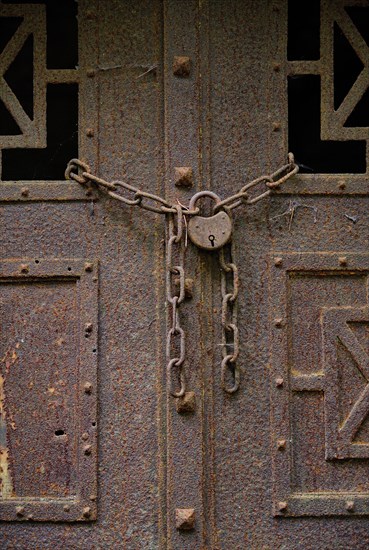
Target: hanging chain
x,y
80,172
175,299
230,336
250,193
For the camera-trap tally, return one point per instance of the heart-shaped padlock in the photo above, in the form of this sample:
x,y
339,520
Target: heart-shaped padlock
x,y
209,233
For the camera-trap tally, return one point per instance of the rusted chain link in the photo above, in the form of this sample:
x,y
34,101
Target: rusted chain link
x,y
175,299
271,181
80,172
230,335
175,349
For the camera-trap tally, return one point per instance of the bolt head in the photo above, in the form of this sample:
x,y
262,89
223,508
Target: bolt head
x,y
276,67
350,506
342,260
87,449
24,268
90,73
278,262
281,444
276,126
19,510
25,192
88,327
183,176
188,287
181,66
186,403
282,506
89,132
66,508
89,267
278,322
87,387
86,512
185,519
279,382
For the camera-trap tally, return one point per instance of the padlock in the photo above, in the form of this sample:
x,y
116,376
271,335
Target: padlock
x,y
209,233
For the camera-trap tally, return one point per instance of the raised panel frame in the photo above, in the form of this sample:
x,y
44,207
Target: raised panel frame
x,y
83,505
286,501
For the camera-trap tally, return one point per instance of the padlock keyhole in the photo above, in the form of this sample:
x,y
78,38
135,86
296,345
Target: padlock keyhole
x,y
212,239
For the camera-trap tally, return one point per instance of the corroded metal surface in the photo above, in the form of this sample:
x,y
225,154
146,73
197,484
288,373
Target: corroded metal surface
x,y
282,462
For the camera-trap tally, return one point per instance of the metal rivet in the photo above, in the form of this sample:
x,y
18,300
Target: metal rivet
x,y
276,67
87,450
88,267
185,519
86,512
25,192
350,505
19,510
85,436
94,279
89,132
187,403
66,508
183,176
279,382
87,387
276,126
88,327
282,506
24,268
181,66
278,322
30,516
93,498
341,185
281,444
278,262
90,73
342,260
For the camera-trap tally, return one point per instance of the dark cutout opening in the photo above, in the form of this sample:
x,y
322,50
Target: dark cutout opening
x,y
19,76
62,140
8,26
62,36
360,17
303,30
59,432
347,66
313,154
8,126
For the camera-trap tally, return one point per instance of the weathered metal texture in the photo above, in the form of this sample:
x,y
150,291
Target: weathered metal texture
x,y
48,381
131,377
163,463
34,130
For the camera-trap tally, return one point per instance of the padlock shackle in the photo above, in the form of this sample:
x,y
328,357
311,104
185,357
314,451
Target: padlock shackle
x,y
200,194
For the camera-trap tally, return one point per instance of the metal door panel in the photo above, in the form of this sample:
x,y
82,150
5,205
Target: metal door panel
x,y
282,462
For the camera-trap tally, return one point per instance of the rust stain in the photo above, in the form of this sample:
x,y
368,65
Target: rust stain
x,y
6,485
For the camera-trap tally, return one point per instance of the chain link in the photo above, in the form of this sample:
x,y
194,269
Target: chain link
x,y
271,182
80,172
175,348
230,334
175,299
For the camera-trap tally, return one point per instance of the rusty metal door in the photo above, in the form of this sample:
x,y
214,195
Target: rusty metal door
x,y
174,97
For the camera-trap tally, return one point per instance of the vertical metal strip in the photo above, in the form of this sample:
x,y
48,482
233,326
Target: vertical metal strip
x,y
182,150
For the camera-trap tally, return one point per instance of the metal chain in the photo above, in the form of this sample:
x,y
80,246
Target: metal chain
x,y
80,172
175,299
175,349
230,336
